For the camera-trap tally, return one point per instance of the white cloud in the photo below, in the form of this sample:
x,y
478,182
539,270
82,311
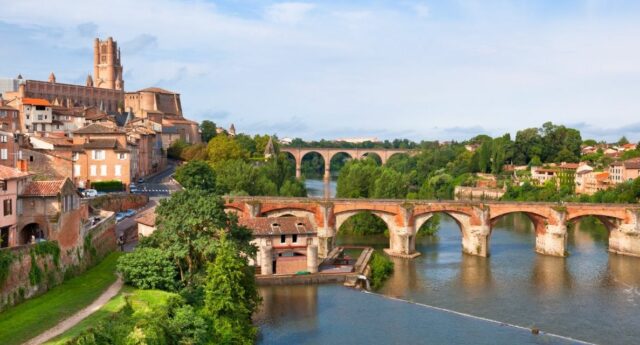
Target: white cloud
x,y
288,12
352,69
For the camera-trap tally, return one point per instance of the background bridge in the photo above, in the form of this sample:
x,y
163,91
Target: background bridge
x,y
328,153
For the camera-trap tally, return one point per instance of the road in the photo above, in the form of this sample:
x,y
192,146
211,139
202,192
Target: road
x,y
158,187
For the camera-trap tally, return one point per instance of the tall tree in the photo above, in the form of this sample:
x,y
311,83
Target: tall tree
x,y
231,296
207,130
223,148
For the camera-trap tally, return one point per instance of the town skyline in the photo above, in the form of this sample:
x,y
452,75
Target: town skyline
x,y
454,83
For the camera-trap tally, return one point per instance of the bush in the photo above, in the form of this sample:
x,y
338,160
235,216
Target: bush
x,y
381,269
148,268
108,186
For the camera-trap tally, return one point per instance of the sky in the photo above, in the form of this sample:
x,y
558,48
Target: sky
x,y
423,70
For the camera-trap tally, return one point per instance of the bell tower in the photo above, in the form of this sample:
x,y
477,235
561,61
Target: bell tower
x,y
107,69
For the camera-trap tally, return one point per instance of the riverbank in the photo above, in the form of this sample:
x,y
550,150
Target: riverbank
x,y
34,316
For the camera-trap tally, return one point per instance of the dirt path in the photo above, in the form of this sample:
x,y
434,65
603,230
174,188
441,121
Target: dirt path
x,y
73,320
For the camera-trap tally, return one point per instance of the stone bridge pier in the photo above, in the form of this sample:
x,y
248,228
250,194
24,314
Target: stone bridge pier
x,y
624,236
551,233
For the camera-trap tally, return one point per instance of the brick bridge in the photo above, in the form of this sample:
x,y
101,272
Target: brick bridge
x,y
328,153
475,219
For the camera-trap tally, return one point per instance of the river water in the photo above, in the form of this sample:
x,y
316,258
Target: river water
x,y
591,295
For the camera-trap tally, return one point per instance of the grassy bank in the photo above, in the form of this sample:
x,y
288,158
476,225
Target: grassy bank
x,y
142,301
36,315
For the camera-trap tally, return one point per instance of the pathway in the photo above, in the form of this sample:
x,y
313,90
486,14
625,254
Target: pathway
x,y
74,319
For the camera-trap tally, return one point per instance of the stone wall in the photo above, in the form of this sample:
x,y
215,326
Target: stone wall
x,y
30,274
119,202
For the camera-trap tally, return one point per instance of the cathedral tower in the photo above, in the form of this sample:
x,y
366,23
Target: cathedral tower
x,y
107,70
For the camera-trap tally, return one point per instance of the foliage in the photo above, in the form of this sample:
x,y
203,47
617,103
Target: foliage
x,y
363,223
381,269
188,223
222,149
176,148
197,174
207,130
34,316
430,227
231,296
6,259
148,268
108,186
148,317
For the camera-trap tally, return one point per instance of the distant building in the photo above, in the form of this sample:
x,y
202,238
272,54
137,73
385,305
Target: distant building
x,y
358,140
11,180
622,171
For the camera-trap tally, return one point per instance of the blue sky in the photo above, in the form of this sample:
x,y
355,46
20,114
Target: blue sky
x,y
327,69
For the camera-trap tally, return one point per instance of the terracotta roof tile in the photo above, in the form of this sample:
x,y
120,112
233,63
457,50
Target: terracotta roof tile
x,y
266,226
43,188
7,173
36,101
96,128
147,217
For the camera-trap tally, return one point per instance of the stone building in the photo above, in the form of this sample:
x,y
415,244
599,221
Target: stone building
x,y
286,245
163,107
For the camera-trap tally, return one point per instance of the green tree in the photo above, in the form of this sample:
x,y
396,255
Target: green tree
x,y
623,141
357,178
390,184
175,149
207,130
148,268
223,148
231,296
188,224
197,175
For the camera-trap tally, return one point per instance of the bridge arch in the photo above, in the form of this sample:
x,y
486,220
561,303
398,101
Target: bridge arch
x,y
538,219
375,156
387,217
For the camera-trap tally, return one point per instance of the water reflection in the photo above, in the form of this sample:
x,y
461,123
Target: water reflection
x,y
280,302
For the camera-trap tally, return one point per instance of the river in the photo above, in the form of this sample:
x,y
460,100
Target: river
x,y
591,295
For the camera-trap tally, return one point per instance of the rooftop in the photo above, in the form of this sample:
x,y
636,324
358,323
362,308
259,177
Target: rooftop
x,y
43,188
7,173
265,226
157,90
96,128
36,101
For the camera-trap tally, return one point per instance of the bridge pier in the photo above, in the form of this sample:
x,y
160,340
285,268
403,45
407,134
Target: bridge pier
x,y
475,240
625,239
326,238
552,240
402,242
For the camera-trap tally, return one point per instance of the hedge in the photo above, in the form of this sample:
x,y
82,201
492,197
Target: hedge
x,y
108,186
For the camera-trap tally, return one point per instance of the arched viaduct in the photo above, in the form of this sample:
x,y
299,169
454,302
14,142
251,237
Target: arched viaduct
x,y
476,220
328,153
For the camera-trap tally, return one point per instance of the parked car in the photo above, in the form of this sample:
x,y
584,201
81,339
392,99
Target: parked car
x,y
120,216
90,193
141,180
130,213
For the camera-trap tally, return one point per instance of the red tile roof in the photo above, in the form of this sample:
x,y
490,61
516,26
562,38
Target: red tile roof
x,y
266,226
7,173
36,101
43,188
147,217
97,128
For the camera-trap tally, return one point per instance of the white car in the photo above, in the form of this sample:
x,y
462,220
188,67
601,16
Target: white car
x,y
90,193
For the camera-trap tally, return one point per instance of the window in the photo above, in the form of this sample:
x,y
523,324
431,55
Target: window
x,y
283,238
98,155
76,170
39,117
103,170
93,170
294,238
122,156
3,184
74,156
40,107
118,169
3,138
4,154
7,207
